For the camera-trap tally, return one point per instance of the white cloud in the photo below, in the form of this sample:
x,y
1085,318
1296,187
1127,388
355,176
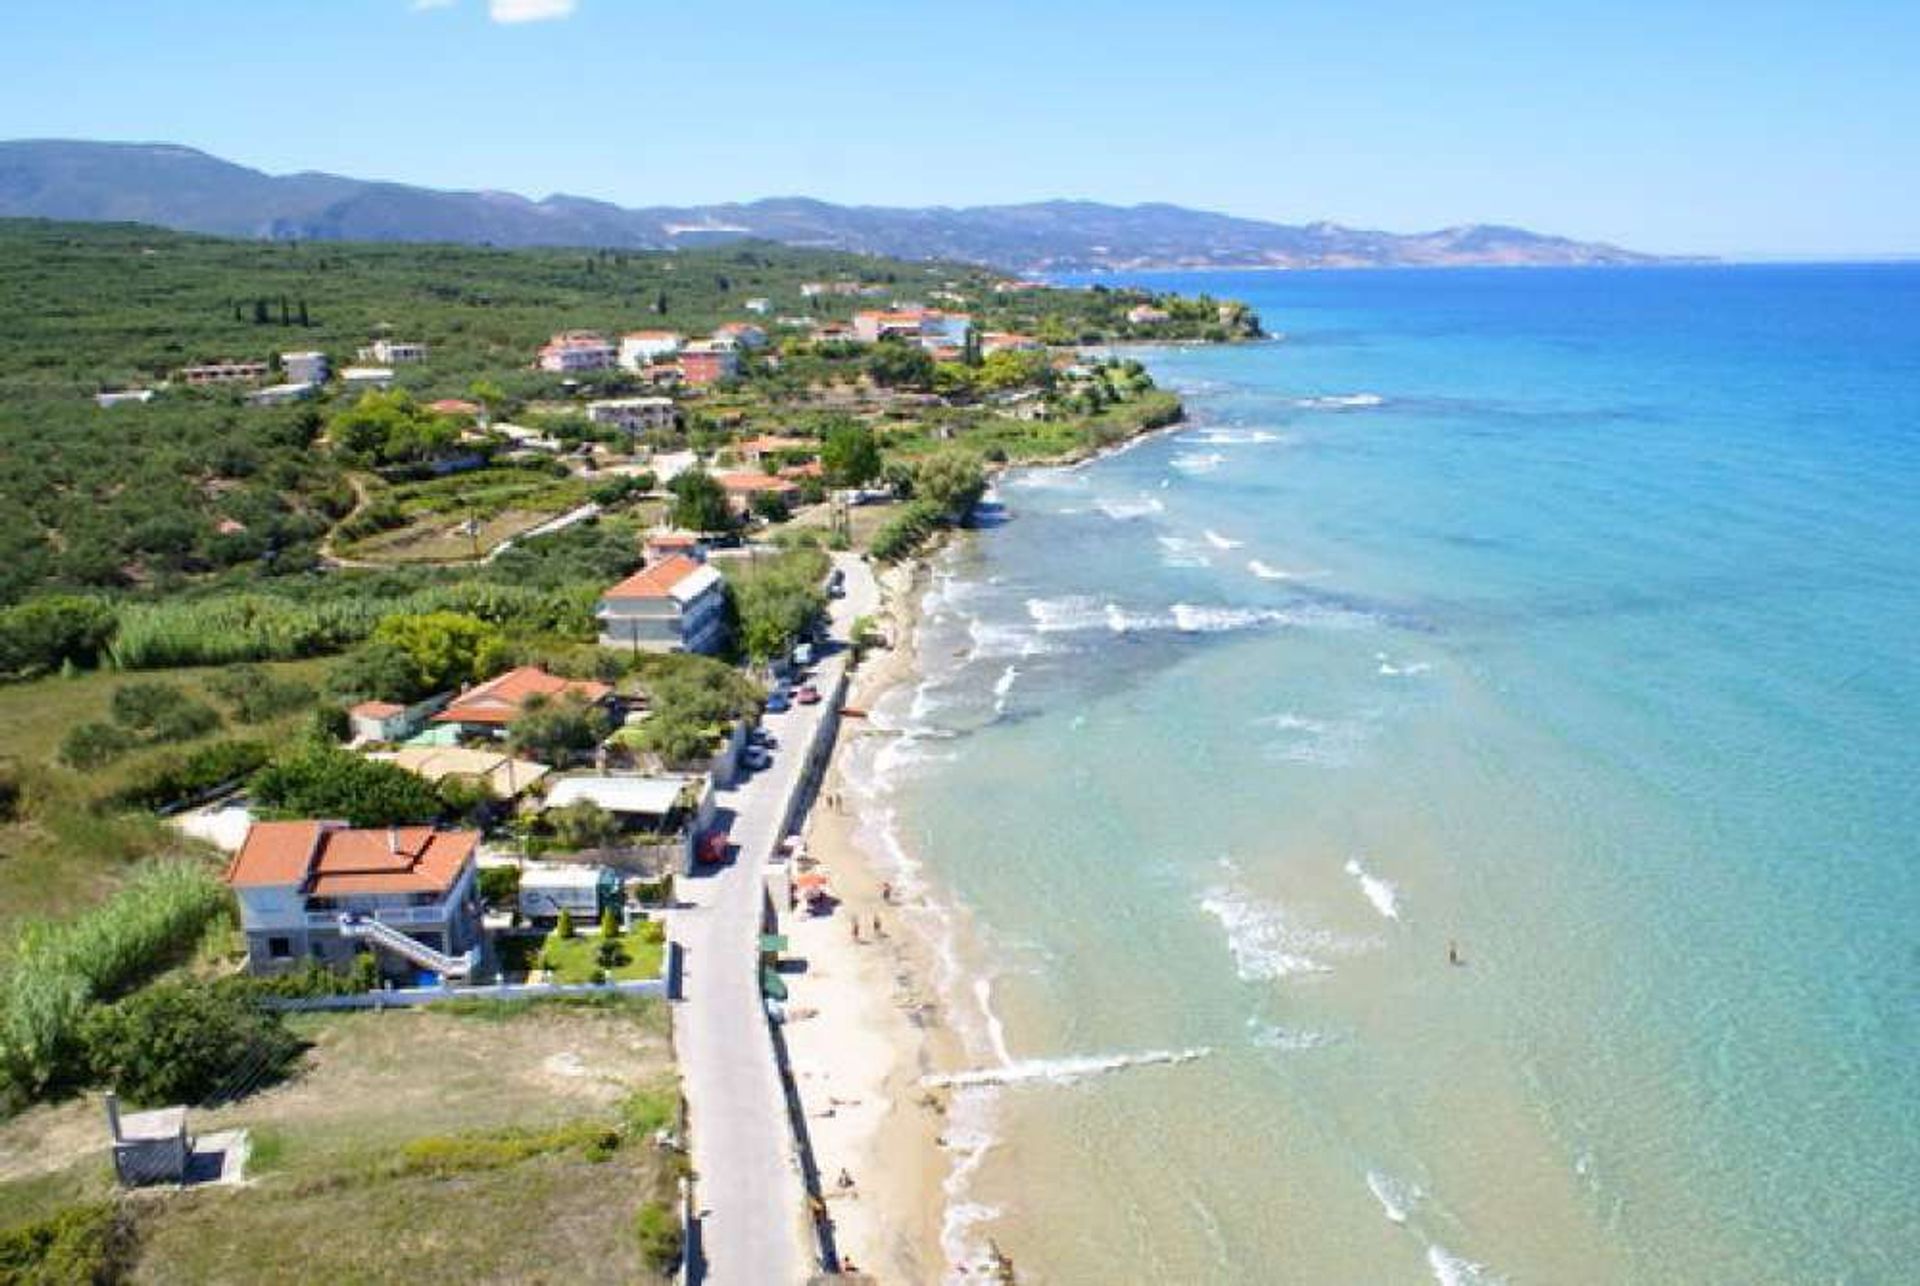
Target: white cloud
x,y
529,10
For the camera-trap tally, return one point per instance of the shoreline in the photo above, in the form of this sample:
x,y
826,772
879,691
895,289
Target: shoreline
x,y
867,1019
865,1024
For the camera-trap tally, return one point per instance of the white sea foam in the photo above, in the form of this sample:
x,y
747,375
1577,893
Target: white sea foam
x,y
1078,612
1306,740
1126,510
998,641
1002,686
1340,402
1450,1269
1181,551
1218,541
1384,895
969,1137
995,1029
1267,571
1264,947
1391,670
1198,461
1397,1199
1048,480
1229,437
1287,1039
1061,1071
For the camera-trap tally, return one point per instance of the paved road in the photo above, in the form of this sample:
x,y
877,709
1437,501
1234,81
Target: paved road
x,y
752,1230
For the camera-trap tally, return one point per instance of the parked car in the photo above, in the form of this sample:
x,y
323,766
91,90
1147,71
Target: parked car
x,y
757,760
808,695
777,703
764,737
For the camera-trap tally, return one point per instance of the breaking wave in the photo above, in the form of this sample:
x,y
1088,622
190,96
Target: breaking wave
x,y
1382,893
1218,541
1061,1071
1198,461
1340,402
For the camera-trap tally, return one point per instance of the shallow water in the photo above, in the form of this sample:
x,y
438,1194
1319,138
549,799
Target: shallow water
x,y
1566,617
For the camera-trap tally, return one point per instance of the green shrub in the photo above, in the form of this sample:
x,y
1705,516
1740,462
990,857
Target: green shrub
x,y
183,1042
500,886
57,971
94,745
315,780
177,779
658,1230
49,633
89,1243
255,695
443,1156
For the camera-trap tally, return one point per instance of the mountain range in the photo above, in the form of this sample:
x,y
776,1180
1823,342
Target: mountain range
x,y
185,189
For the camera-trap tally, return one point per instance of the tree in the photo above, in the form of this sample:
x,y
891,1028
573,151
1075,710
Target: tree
x,y
50,632
447,648
951,479
553,730
314,780
893,364
380,672
1016,368
384,427
563,927
185,1042
850,456
699,502
583,824
500,887
609,925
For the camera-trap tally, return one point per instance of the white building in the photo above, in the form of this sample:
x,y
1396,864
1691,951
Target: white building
x,y
304,368
366,377
394,352
760,307
577,350
638,348
124,397
322,891
634,414
676,605
281,394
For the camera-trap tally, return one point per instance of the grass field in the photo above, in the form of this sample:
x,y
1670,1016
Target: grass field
x,y
576,959
62,856
424,1145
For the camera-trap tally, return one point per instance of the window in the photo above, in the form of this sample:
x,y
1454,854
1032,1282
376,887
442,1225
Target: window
x,y
280,948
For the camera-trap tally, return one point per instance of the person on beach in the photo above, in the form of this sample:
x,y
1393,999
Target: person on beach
x,y
853,923
877,932
886,892
1453,953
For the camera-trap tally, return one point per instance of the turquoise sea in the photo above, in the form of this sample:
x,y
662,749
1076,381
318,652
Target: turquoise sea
x,y
1568,618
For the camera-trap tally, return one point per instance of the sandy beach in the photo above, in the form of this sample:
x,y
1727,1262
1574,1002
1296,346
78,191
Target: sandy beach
x,y
864,1020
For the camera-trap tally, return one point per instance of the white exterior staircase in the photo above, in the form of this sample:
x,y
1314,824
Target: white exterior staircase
x,y
452,968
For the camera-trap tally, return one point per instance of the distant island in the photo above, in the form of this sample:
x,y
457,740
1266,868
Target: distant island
x,y
188,190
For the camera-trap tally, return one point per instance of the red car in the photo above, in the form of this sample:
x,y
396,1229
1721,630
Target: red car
x,y
808,695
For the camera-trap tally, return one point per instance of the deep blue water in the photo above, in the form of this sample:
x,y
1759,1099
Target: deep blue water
x,y
1570,617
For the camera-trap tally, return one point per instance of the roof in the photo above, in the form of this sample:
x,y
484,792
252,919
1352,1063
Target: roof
x,y
657,581
453,406
651,334
751,482
327,859
503,775
499,699
655,796
674,540
811,469
274,853
774,442
376,710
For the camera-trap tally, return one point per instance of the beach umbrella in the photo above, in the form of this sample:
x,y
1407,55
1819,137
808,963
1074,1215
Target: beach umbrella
x,y
810,880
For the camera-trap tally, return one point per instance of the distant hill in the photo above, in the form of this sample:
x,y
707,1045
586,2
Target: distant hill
x,y
178,187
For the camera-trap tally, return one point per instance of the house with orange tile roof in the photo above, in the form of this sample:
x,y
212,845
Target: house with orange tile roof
x,y
740,335
657,546
324,891
489,709
741,488
703,362
678,604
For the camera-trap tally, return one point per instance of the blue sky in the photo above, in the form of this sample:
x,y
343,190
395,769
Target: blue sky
x,y
1704,127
